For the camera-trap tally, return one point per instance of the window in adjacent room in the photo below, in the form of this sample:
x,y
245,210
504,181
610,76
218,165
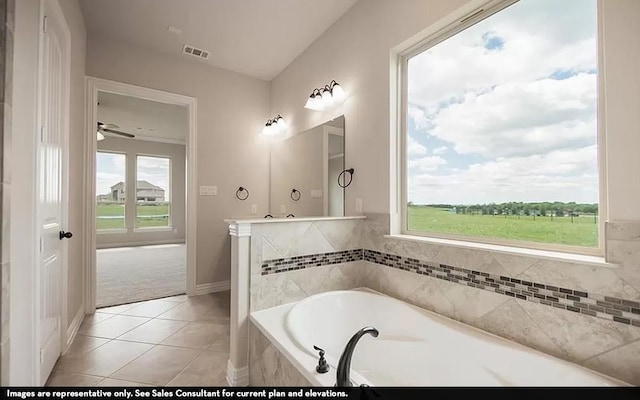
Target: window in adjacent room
x,y
500,128
153,192
110,186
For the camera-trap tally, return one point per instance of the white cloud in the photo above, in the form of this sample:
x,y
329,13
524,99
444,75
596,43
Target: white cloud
x,y
562,175
440,150
461,64
414,148
522,117
425,164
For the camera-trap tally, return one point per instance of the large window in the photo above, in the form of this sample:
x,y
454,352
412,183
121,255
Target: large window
x,y
153,183
110,186
501,128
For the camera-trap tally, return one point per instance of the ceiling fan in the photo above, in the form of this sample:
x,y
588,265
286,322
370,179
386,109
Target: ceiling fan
x,y
110,129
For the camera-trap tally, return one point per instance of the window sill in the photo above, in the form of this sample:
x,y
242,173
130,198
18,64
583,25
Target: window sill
x,y
153,229
517,251
111,231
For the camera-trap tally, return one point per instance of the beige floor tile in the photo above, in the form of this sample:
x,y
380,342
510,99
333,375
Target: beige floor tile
x,y
221,344
105,360
61,378
92,319
196,335
209,369
117,309
120,383
113,327
201,311
154,331
83,344
158,366
151,308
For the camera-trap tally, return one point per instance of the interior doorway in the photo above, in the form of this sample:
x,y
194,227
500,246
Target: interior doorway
x,y
142,150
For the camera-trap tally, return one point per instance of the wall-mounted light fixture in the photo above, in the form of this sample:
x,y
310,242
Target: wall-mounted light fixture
x,y
274,126
328,96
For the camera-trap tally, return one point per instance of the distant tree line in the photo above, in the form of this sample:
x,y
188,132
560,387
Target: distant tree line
x,y
548,209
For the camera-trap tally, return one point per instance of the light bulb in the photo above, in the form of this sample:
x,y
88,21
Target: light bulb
x,y
327,99
267,128
338,93
99,136
310,102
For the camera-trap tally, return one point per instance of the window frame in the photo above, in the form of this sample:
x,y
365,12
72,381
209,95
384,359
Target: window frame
x,y
169,226
124,229
441,31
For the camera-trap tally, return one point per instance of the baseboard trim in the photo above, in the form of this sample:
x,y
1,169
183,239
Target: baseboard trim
x,y
237,376
212,287
74,327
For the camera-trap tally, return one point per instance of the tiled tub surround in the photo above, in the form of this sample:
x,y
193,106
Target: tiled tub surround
x,y
268,366
605,345
608,346
609,308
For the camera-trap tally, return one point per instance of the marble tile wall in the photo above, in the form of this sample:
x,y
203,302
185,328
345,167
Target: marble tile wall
x,y
274,241
267,366
607,346
7,9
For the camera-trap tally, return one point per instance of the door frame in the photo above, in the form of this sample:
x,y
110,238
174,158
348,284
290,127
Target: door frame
x,y
93,86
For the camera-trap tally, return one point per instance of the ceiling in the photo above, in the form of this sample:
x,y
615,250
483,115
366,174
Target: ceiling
x,y
258,38
148,120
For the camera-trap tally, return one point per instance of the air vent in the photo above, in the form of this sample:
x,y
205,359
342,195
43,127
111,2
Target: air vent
x,y
196,52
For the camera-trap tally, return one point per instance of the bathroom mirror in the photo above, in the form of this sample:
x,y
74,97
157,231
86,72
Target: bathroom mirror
x,y
304,172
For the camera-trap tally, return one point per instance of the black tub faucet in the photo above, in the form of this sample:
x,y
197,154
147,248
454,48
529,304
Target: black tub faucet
x,y
344,365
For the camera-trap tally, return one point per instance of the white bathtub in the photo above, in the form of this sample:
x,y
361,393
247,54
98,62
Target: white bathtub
x,y
415,347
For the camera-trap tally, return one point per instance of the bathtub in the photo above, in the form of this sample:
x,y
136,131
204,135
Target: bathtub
x,y
415,347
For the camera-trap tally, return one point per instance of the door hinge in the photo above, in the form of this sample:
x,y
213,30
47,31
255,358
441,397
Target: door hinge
x,y
44,24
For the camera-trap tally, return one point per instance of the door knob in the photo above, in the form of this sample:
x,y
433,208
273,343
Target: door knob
x,y
65,235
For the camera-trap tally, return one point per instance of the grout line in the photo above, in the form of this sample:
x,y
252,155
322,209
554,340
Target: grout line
x,y
608,350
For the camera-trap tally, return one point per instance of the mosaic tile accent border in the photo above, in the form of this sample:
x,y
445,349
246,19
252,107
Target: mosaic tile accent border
x,y
605,307
610,308
310,260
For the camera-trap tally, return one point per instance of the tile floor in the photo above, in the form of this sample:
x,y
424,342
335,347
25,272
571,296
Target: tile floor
x,y
175,341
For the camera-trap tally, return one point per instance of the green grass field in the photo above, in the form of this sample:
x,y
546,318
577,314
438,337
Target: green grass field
x,y
117,210
583,231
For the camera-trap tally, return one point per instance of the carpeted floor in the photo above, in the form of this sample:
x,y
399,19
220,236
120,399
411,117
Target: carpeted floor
x,y
130,274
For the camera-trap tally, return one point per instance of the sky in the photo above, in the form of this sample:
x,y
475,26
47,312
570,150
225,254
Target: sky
x,y
111,170
506,109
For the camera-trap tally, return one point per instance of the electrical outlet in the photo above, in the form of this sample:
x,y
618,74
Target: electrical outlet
x,y
283,208
254,209
359,205
208,190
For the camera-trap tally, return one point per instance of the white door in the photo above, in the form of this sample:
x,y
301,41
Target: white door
x,y
52,175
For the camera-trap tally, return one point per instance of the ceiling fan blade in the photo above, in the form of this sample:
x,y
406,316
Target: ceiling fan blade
x,y
102,125
118,133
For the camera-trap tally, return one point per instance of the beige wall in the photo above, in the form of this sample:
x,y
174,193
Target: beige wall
x,y
232,110
133,147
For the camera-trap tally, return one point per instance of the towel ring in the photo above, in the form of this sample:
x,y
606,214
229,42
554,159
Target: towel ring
x,y
268,216
293,195
290,216
242,190
350,171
